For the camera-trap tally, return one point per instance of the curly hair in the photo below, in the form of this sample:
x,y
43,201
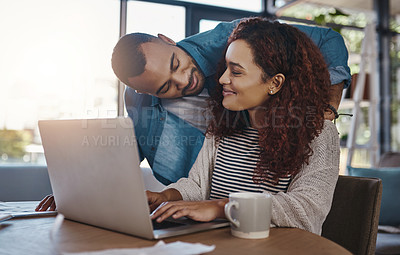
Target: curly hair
x,y
294,116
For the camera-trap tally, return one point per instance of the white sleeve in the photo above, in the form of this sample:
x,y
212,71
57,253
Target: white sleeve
x,y
197,185
308,199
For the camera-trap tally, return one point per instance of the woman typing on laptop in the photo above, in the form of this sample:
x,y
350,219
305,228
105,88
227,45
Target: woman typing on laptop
x,y
268,133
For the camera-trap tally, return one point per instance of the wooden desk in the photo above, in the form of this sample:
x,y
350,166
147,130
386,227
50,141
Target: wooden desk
x,y
32,236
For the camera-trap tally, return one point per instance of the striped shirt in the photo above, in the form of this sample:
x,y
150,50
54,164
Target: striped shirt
x,y
236,160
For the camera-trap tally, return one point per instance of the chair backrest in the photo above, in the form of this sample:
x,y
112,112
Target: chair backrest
x,y
353,219
390,204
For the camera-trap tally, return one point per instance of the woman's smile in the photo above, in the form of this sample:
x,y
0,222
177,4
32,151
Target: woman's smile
x,y
227,92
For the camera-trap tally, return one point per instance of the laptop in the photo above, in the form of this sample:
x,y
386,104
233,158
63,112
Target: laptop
x,y
94,172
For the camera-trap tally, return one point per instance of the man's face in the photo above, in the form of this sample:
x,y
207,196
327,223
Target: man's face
x,y
169,72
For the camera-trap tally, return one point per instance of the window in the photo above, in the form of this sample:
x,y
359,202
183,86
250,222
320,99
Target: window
x,y
206,24
152,18
55,63
249,5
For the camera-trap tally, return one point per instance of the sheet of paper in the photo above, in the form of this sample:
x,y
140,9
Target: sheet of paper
x,y
23,209
4,216
161,248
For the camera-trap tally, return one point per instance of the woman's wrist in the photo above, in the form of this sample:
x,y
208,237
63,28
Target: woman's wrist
x,y
172,195
220,203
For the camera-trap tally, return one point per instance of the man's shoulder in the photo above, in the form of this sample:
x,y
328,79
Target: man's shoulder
x,y
320,34
312,29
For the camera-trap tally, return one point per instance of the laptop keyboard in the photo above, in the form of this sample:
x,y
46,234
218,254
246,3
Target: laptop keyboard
x,y
166,224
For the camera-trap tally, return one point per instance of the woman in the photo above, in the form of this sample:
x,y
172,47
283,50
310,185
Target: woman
x,y
268,132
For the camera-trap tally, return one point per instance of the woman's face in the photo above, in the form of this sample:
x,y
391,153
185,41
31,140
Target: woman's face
x,y
243,88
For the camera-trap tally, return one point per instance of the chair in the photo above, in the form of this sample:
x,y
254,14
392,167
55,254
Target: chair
x,y
353,219
389,243
388,170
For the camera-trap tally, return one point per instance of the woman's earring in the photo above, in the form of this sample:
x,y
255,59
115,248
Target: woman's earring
x,y
271,92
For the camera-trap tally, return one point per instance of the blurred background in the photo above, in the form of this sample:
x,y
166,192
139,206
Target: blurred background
x,y
55,62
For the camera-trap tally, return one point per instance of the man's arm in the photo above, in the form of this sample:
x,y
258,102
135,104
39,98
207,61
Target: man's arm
x,y
207,48
334,51
335,95
136,103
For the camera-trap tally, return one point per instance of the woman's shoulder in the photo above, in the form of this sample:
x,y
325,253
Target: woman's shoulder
x,y
329,133
210,143
329,127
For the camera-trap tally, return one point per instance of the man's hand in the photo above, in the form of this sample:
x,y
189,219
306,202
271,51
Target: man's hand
x,y
47,203
196,210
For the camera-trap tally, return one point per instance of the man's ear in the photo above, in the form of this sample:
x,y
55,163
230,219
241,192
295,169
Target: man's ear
x,y
166,39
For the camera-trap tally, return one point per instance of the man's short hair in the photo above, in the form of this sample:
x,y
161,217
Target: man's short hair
x,y
128,59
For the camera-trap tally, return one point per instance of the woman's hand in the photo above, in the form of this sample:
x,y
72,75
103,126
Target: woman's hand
x,y
199,210
155,199
47,203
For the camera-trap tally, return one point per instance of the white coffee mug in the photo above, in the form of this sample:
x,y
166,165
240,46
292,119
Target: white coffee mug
x,y
249,214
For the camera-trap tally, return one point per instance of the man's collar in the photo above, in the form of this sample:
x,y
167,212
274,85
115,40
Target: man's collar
x,y
155,101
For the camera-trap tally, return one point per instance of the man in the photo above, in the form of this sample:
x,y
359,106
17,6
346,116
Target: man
x,y
168,85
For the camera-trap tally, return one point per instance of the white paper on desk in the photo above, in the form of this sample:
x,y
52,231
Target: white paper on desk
x,y
161,248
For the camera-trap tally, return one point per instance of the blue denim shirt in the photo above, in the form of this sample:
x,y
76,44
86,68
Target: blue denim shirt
x,y
169,143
